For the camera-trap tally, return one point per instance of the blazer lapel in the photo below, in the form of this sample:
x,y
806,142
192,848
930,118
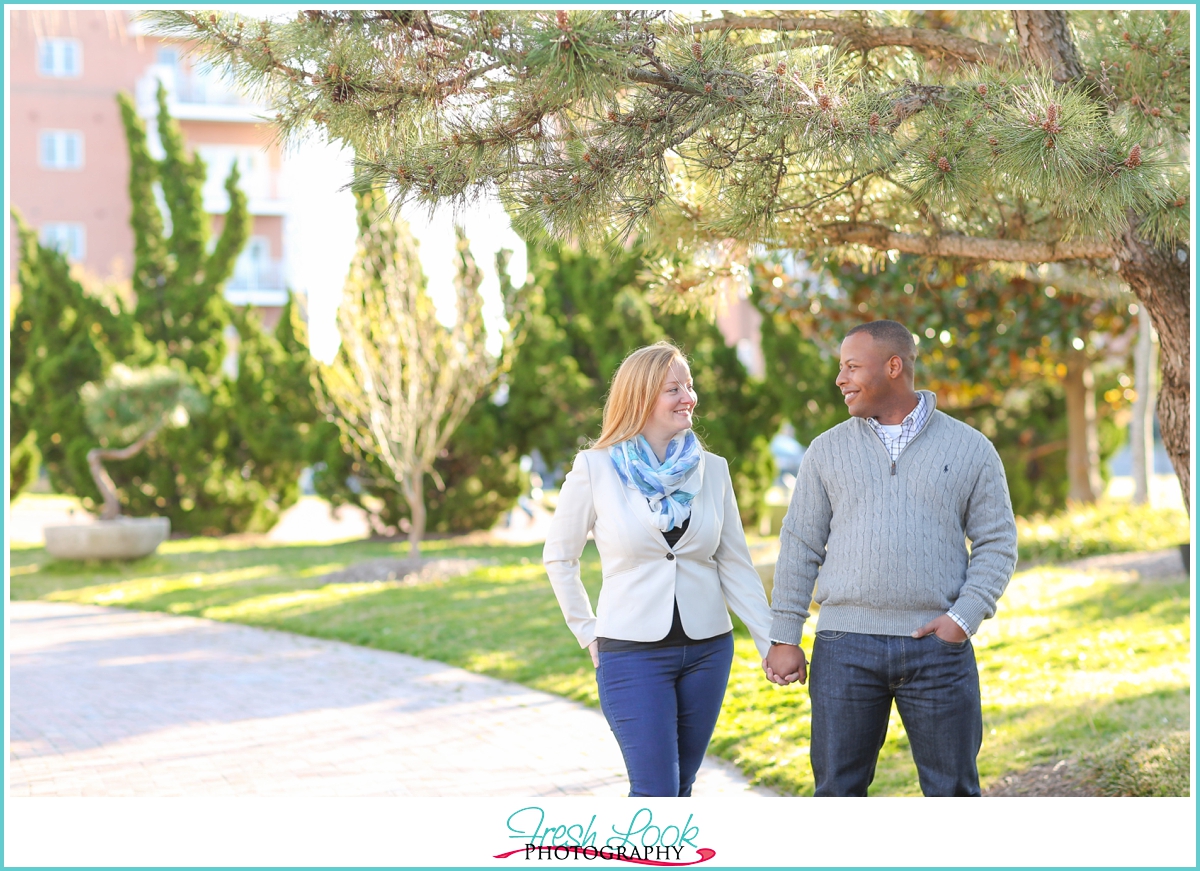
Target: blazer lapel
x,y
697,482
640,506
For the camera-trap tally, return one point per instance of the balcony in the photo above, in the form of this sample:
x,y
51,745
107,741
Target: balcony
x,y
257,282
199,94
263,186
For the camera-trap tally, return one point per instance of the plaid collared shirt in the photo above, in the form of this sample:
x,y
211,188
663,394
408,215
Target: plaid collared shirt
x,y
909,427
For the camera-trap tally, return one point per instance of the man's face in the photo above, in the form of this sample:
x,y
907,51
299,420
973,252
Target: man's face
x,y
863,376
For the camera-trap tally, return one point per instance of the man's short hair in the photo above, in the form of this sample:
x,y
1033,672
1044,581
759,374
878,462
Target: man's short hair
x,y
894,337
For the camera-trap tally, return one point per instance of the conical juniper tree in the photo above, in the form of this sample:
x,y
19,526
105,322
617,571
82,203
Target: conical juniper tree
x,y
1023,137
201,476
179,282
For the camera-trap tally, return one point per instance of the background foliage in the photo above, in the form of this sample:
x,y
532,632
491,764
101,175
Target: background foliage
x,y
235,467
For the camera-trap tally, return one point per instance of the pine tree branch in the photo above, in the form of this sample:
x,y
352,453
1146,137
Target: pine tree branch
x,y
967,247
663,80
933,43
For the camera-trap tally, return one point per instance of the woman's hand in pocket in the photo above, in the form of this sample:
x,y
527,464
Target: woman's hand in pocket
x,y
594,650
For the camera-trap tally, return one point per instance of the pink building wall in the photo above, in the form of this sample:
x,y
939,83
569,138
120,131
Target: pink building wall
x,y
96,195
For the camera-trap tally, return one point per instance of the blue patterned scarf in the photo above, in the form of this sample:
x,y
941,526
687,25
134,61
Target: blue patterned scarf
x,y
640,470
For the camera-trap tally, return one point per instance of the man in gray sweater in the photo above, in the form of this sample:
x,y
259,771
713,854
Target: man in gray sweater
x,y
882,509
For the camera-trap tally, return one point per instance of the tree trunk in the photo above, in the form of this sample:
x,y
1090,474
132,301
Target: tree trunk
x,y
415,492
1159,279
1141,440
1044,37
112,507
1161,283
1083,439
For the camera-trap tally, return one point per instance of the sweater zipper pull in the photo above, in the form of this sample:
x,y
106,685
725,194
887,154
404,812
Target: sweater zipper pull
x,y
893,468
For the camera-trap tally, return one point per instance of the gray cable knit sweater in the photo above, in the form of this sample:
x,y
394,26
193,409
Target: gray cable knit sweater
x,y
888,540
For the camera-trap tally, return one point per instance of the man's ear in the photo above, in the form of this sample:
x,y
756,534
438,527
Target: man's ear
x,y
895,366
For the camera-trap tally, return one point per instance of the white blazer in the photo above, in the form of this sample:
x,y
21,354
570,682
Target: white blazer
x,y
709,567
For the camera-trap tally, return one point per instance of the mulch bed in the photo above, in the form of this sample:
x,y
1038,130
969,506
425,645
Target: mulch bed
x,y
404,571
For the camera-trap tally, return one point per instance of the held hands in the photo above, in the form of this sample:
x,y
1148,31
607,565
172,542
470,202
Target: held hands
x,y
785,664
944,628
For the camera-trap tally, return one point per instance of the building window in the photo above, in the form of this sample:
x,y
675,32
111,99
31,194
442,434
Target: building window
x,y
167,57
61,149
67,238
60,58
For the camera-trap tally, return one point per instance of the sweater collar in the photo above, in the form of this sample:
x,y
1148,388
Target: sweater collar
x,y
931,407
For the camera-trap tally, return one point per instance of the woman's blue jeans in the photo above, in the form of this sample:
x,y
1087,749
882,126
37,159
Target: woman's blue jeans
x,y
852,681
662,705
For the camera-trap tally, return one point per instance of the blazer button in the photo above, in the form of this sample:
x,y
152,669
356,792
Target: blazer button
x,y
670,556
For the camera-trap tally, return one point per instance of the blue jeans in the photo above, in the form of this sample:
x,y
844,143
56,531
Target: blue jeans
x,y
662,705
852,681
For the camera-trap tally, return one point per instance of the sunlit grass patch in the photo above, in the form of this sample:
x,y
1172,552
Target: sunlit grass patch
x,y
133,593
268,607
1108,526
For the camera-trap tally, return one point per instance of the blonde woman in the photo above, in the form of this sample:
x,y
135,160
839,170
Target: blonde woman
x,y
665,520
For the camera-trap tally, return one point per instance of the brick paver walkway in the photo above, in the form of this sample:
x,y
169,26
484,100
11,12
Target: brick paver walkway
x,y
106,701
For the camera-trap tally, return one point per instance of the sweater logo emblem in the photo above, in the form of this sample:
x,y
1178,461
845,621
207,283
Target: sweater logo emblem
x,y
946,469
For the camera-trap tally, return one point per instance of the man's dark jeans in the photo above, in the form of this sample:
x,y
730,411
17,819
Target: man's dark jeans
x,y
852,681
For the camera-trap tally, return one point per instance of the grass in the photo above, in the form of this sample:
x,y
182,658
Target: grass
x,y
1073,665
1109,526
1155,763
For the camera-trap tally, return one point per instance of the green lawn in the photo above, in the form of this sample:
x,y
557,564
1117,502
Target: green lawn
x,y
1071,665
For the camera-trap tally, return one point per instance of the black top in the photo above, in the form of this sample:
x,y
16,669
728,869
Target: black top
x,y
675,636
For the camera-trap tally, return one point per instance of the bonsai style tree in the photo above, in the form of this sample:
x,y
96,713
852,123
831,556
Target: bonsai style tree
x,y
130,407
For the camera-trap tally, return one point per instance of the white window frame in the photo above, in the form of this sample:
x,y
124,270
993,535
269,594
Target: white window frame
x,y
52,56
58,159
69,237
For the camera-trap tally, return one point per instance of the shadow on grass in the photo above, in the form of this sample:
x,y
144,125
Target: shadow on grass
x,y
37,575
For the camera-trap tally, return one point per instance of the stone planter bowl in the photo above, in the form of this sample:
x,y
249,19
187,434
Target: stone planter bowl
x,y
123,538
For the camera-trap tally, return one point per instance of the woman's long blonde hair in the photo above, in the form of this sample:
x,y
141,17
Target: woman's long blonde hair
x,y
634,391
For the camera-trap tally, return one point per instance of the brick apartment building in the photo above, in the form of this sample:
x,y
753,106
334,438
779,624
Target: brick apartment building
x,y
69,166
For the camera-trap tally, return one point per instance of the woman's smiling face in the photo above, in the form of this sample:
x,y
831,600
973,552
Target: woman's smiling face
x,y
676,401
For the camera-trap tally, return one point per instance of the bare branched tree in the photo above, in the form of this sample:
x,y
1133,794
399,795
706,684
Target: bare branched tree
x,y
402,381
